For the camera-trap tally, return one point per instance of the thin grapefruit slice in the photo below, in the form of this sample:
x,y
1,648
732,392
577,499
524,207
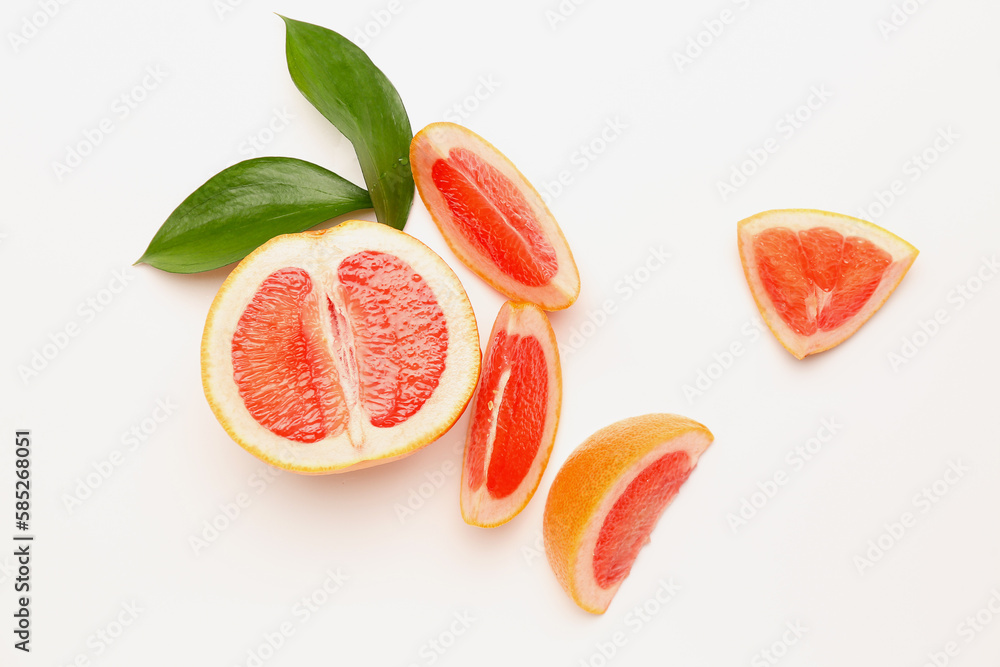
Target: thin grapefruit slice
x,y
818,276
339,349
515,414
492,218
608,496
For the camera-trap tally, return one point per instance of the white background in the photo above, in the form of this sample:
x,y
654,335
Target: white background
x,y
655,186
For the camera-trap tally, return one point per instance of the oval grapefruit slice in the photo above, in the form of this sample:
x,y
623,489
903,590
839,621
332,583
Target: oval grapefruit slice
x,y
515,414
816,276
608,496
338,349
492,218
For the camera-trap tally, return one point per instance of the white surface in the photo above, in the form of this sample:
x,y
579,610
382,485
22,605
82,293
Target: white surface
x,y
654,187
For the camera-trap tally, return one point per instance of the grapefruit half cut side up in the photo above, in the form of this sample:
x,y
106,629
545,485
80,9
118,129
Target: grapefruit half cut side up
x,y
339,349
492,218
607,497
816,276
515,414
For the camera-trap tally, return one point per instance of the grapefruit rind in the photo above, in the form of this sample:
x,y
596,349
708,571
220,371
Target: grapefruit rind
x,y
800,346
319,253
479,508
435,142
589,483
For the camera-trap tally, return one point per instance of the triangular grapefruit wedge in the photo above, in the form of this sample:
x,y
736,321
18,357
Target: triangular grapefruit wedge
x,y
515,413
492,218
608,496
338,349
816,276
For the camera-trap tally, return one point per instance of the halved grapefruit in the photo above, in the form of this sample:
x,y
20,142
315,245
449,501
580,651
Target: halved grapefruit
x,y
492,218
514,416
339,349
818,276
608,496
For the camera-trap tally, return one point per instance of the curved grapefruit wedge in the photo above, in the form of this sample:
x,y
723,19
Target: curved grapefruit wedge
x,y
608,496
514,417
339,349
492,218
818,276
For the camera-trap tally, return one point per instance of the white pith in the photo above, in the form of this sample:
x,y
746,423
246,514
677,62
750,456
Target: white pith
x,y
319,254
801,346
479,507
435,142
494,407
584,581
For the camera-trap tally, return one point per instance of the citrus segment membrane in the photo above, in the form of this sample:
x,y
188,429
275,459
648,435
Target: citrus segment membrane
x,y
388,333
634,515
494,216
515,413
337,349
816,278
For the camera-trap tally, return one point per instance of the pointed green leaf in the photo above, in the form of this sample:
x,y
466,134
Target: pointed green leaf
x,y
245,205
352,93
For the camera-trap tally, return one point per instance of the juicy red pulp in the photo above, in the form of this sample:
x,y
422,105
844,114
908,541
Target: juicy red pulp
x,y
388,333
818,279
520,409
627,527
494,217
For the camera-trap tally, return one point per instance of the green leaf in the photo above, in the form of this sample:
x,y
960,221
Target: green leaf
x,y
245,205
345,86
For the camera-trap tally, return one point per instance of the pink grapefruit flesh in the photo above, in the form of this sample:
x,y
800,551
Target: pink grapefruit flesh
x,y
817,277
608,496
337,349
492,218
515,413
